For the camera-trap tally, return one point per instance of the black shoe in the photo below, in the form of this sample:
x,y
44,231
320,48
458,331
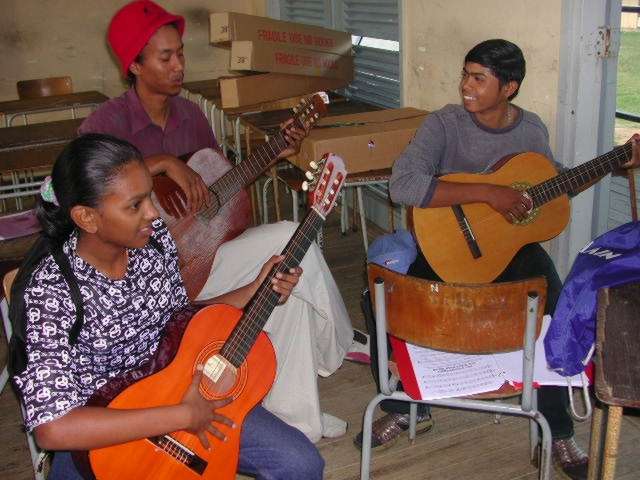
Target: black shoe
x,y
569,459
387,429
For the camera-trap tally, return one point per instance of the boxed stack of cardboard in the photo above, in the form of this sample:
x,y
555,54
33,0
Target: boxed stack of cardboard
x,y
300,59
366,141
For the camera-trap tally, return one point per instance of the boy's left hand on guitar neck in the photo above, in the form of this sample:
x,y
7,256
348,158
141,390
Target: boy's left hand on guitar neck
x,y
294,137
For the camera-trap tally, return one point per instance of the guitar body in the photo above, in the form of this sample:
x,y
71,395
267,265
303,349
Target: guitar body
x,y
198,236
205,334
444,245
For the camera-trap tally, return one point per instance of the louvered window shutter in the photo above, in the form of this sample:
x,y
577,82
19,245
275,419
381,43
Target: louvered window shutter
x,y
374,25
312,12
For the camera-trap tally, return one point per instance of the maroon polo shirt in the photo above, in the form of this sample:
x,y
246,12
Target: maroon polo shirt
x,y
124,117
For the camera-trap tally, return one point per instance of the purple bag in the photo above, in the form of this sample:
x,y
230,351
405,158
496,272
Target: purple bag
x,y
611,259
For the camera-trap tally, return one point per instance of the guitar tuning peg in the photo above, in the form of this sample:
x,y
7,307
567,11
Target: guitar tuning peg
x,y
313,165
309,175
295,109
305,186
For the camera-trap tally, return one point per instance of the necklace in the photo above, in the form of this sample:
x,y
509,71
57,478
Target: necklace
x,y
508,114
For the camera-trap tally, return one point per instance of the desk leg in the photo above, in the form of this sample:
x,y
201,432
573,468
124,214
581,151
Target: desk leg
x,y
354,212
614,420
236,136
363,219
276,193
252,187
223,134
216,131
344,214
595,446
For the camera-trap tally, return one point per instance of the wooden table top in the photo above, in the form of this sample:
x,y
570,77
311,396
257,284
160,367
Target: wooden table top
x,y
41,157
52,102
38,134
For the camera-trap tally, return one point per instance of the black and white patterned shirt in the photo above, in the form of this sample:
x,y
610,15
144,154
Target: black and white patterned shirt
x,y
123,321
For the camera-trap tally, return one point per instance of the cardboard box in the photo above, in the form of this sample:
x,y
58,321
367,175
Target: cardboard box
x,y
258,56
228,26
373,141
263,57
253,89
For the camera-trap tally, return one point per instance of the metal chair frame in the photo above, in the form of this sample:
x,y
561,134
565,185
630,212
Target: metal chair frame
x,y
388,382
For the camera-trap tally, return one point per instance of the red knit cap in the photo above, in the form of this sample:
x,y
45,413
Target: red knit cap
x,y
132,27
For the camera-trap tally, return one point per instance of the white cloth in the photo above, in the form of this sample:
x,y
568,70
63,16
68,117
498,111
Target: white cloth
x,y
310,333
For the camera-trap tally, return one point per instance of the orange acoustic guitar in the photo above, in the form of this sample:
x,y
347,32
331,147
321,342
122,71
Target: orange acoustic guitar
x,y
239,362
199,235
474,243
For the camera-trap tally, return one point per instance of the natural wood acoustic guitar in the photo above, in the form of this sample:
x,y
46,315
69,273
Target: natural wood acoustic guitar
x,y
238,359
473,243
199,235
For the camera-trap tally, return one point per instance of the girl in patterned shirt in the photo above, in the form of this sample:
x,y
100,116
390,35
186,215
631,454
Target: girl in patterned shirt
x,y
90,303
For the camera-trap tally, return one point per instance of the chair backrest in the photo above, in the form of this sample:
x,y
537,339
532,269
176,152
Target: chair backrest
x,y
44,87
465,318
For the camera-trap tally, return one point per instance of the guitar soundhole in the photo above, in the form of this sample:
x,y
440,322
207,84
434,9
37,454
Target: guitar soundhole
x,y
221,379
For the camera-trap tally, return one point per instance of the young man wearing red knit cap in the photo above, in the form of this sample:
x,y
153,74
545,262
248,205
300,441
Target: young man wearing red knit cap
x,y
311,332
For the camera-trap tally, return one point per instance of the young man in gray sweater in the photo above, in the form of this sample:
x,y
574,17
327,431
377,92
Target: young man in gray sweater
x,y
471,138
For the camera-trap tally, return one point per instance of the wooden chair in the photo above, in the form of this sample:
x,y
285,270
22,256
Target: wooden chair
x,y
37,455
471,319
44,87
617,379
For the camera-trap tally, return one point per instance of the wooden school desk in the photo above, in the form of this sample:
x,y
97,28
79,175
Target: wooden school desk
x,y
70,101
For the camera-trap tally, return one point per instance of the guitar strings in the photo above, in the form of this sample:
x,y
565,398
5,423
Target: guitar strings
x,y
558,184
619,155
295,252
265,299
227,185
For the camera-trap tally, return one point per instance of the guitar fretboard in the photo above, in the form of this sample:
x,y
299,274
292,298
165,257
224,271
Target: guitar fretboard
x,y
573,179
259,309
246,172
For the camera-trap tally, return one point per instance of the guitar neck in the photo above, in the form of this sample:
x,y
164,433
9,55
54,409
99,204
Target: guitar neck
x,y
259,308
577,177
246,172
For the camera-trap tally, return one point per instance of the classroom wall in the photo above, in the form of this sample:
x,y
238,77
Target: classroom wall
x,y
68,37
436,37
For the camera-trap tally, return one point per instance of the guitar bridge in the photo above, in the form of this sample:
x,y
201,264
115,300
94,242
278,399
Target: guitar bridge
x,y
179,452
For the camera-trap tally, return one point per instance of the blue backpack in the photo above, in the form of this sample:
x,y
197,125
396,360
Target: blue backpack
x,y
611,259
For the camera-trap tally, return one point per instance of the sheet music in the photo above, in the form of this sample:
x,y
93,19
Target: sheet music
x,y
512,363
441,374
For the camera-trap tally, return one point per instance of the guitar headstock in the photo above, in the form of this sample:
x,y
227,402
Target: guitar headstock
x,y
309,110
330,174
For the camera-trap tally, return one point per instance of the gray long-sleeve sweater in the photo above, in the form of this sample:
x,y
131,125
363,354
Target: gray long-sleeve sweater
x,y
451,140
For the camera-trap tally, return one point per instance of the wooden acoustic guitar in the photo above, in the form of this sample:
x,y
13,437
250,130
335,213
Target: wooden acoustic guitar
x,y
238,360
199,235
474,243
